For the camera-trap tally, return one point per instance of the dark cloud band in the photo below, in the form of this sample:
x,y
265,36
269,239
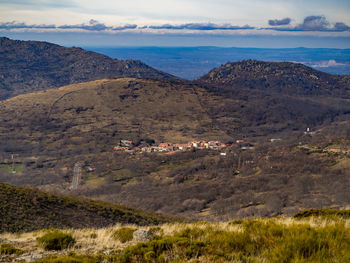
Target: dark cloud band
x,y
282,22
201,26
94,25
310,23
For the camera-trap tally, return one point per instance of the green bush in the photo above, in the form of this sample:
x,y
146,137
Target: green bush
x,y
8,249
56,240
150,141
323,213
70,259
93,235
236,222
191,232
160,250
124,234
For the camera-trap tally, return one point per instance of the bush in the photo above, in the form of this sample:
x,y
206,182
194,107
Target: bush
x,y
8,249
56,240
323,213
157,230
150,141
163,249
93,235
124,234
69,259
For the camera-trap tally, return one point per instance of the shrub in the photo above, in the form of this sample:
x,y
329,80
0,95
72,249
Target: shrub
x,y
93,235
323,212
236,222
191,232
162,249
56,240
70,259
8,249
124,234
157,231
150,141
302,243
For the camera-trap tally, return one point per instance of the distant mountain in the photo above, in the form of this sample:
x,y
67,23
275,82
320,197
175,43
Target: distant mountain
x,y
27,66
193,62
25,209
271,96
277,77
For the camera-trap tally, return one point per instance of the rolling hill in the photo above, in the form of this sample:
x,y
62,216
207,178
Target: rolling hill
x,y
97,115
27,66
277,96
285,78
25,209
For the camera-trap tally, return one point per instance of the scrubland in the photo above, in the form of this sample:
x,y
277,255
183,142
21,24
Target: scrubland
x,y
310,236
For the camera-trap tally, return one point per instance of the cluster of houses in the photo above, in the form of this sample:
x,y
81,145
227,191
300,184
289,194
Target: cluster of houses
x,y
169,148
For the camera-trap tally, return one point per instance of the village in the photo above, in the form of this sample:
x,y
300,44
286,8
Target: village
x,y
171,148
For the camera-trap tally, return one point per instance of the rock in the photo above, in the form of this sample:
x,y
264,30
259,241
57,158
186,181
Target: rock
x,y
142,235
31,257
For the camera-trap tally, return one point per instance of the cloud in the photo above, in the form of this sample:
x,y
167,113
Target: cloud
x,y
327,64
127,26
341,27
282,22
93,25
310,23
201,26
314,23
17,25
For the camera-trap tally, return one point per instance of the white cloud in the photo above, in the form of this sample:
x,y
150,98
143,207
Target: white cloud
x,y
327,64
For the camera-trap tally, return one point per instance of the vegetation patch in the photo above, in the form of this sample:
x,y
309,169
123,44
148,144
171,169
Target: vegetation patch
x,y
56,240
259,240
70,259
124,234
322,213
246,240
8,249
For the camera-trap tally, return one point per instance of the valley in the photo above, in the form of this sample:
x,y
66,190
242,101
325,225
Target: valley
x,y
283,128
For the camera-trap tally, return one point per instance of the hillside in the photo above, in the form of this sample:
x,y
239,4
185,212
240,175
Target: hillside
x,y
95,116
24,209
50,131
27,66
277,78
276,96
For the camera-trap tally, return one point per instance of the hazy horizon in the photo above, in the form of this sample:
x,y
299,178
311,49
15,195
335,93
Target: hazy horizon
x,y
225,23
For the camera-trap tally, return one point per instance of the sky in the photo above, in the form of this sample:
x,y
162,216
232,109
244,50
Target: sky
x,y
248,23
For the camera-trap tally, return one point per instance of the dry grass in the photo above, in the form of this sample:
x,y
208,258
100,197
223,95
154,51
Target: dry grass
x,y
94,241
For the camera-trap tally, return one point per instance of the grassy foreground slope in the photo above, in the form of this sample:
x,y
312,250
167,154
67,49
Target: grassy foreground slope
x,y
307,239
23,209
